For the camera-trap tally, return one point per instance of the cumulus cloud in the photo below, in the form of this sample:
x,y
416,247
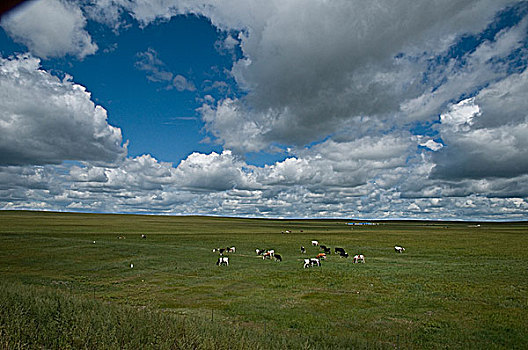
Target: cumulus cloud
x,y
216,172
311,70
50,28
486,136
381,109
45,120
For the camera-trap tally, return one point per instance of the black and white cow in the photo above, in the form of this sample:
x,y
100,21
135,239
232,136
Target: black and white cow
x,y
303,250
223,260
277,257
359,258
311,262
315,243
343,254
143,236
231,249
399,249
327,250
220,251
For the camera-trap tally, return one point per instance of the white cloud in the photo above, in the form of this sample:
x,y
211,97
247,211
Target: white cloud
x,y
44,120
149,62
345,78
182,84
214,172
432,145
487,135
50,28
157,72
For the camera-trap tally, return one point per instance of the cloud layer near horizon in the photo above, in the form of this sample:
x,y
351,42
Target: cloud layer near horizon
x,y
382,110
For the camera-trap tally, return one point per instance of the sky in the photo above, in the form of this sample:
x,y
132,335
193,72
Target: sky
x,y
279,109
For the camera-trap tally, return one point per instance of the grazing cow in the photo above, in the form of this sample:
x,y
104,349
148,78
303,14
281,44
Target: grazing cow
x,y
231,250
359,258
259,251
268,254
121,237
343,254
143,236
321,256
327,250
306,263
399,249
223,260
322,246
277,257
315,261
315,243
303,251
311,262
221,251
339,250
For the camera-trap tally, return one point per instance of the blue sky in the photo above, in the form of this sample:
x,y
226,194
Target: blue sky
x,y
263,109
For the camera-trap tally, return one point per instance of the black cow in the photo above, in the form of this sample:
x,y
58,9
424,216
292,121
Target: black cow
x,y
339,250
278,257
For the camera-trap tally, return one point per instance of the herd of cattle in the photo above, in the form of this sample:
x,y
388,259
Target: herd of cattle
x,y
309,262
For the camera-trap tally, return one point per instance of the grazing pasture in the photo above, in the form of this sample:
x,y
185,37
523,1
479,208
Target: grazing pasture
x,y
67,281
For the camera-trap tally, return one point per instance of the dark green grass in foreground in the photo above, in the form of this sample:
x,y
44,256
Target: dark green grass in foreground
x,y
457,286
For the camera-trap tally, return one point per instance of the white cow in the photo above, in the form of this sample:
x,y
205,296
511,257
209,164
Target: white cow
x,y
315,243
399,249
359,258
223,260
231,250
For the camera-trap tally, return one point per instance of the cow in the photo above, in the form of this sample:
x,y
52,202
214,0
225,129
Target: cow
x,y
231,250
303,251
339,250
327,250
311,262
306,263
223,260
315,261
259,251
266,255
277,257
343,254
221,251
321,256
315,243
322,246
399,249
359,258
143,236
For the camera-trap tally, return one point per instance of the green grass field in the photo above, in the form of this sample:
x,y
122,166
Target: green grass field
x,y
456,286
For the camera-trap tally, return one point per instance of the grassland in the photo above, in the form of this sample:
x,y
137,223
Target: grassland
x,y
456,286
